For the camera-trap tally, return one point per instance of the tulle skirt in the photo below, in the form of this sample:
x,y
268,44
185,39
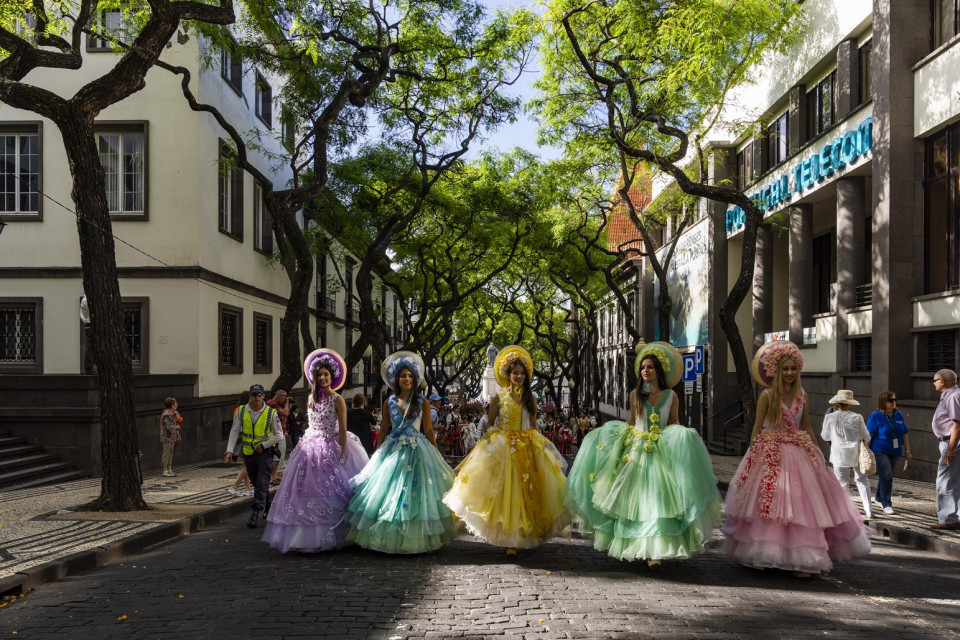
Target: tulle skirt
x,y
510,490
307,511
397,505
645,504
785,509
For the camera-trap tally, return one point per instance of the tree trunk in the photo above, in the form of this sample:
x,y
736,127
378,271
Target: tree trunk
x,y
298,263
728,315
120,453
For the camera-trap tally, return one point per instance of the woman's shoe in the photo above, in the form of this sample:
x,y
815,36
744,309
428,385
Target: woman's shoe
x,y
653,563
802,574
234,492
511,551
888,510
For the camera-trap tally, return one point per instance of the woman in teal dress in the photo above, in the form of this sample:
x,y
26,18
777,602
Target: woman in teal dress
x,y
397,503
646,488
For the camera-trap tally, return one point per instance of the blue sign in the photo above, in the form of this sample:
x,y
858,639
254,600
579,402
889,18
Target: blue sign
x,y
832,158
698,354
689,367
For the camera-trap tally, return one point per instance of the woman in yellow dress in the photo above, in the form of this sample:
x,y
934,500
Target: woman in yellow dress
x,y
510,489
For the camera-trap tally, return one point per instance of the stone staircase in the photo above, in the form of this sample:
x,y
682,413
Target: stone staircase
x,y
24,465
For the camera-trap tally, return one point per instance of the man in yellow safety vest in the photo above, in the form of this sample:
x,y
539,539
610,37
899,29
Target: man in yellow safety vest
x,y
258,428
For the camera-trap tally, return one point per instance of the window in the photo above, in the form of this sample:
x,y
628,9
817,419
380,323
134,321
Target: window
x,y
231,339
21,335
263,101
111,25
861,354
944,25
321,333
231,67
937,350
942,220
866,77
20,169
135,315
262,343
746,173
262,222
777,141
123,156
288,132
230,201
821,109
824,271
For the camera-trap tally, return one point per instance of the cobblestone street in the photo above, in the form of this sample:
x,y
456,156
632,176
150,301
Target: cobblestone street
x,y
224,583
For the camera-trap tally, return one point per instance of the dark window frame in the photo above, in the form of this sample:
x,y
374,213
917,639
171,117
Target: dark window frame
x,y
232,178
778,140
230,368
942,174
861,354
817,123
938,35
263,100
231,67
37,365
26,127
96,45
125,127
260,320
865,71
262,221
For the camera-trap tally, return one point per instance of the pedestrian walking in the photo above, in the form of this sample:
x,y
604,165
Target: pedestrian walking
x,y
946,427
784,509
281,402
397,505
846,433
359,422
307,511
170,421
888,441
646,489
257,428
509,491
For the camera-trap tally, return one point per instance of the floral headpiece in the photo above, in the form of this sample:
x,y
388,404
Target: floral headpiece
x,y
329,359
505,358
765,361
397,361
670,359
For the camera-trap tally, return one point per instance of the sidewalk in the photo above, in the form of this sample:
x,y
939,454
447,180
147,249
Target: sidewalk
x,y
38,544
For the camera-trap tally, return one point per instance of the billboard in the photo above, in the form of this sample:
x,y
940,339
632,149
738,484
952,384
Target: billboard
x,y
688,285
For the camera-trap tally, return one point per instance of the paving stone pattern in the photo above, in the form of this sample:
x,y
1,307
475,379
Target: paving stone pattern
x,y
225,583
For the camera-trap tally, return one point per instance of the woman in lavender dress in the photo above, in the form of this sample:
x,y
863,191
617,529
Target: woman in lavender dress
x,y
308,508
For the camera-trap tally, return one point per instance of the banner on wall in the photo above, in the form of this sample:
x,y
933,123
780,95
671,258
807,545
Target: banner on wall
x,y
688,285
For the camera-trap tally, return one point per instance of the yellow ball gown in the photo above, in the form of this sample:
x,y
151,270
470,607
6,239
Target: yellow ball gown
x,y
510,490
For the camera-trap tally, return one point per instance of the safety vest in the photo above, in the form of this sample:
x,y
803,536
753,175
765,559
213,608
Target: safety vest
x,y
253,435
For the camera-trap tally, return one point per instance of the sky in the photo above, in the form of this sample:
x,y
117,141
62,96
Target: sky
x,y
522,133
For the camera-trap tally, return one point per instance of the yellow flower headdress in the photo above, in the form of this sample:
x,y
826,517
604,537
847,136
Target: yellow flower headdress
x,y
670,359
506,357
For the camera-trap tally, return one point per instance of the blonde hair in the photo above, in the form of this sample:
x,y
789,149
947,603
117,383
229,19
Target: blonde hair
x,y
774,412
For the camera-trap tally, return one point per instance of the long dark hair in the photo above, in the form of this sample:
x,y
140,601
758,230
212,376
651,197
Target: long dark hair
x,y
526,398
314,399
415,401
661,379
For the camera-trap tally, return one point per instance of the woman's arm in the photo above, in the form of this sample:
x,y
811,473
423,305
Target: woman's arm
x,y
385,423
426,423
906,447
493,411
633,407
762,406
341,407
674,417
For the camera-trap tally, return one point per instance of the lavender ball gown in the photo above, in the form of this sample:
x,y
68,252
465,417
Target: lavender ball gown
x,y
315,489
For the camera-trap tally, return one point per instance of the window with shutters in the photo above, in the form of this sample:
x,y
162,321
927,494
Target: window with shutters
x,y
21,335
230,199
230,339
263,101
937,350
262,343
262,222
231,68
861,354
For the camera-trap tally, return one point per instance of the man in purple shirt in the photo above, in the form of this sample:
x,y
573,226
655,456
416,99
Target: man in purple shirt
x,y
946,427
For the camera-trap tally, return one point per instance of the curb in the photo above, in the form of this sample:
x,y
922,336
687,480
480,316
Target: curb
x,y
83,561
916,539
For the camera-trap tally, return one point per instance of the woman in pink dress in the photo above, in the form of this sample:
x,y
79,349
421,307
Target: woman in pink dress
x,y
784,508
